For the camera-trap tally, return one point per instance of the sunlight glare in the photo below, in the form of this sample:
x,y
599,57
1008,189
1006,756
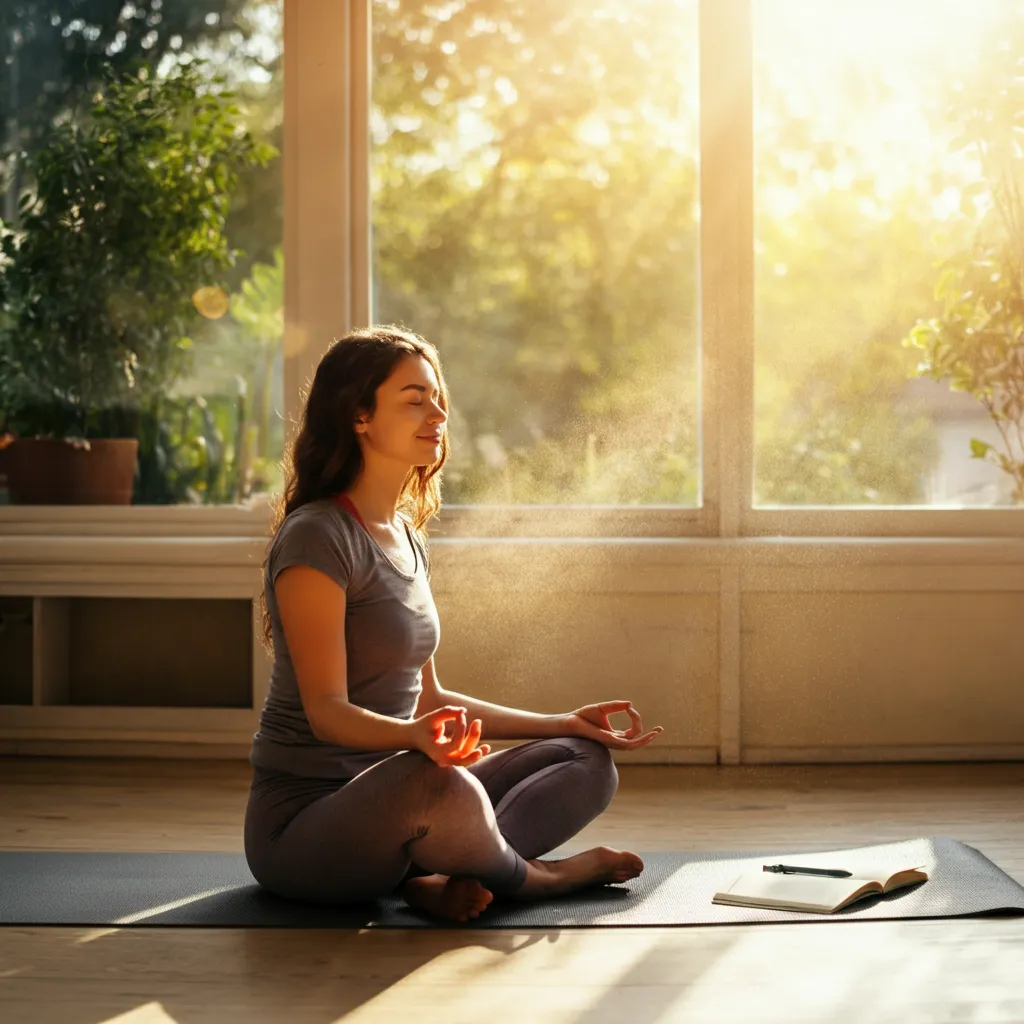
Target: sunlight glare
x,y
149,1013
861,75
141,915
459,972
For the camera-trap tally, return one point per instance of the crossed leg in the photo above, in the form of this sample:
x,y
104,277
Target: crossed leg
x,y
543,793
460,825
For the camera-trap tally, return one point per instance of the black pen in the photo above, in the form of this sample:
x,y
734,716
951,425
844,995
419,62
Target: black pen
x,y
788,869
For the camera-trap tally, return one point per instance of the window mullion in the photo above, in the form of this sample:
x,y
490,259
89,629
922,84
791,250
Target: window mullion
x,y
319,174
359,55
726,261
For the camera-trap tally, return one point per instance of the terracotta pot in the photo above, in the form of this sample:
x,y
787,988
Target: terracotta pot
x,y
52,472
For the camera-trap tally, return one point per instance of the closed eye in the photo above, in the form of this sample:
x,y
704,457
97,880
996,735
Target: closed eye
x,y
421,389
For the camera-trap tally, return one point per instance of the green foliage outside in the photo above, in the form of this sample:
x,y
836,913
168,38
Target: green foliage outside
x,y
976,341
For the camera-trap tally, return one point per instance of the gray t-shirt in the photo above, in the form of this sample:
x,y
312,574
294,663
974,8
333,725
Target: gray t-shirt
x,y
391,632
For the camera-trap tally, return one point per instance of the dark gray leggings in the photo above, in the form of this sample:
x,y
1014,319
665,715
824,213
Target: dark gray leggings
x,y
330,841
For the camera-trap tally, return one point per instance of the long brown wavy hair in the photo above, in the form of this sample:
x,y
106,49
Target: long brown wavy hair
x,y
325,457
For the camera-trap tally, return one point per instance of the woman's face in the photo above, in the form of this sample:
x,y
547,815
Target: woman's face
x,y
409,420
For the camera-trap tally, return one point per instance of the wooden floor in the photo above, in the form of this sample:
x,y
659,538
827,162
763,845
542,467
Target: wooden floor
x,y
906,972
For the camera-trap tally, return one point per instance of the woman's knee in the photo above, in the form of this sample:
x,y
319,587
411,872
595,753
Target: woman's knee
x,y
447,784
600,764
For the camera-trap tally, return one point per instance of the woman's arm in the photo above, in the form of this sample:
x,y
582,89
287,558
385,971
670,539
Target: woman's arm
x,y
499,722
312,608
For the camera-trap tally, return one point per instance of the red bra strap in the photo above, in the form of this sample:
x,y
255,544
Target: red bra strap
x,y
346,503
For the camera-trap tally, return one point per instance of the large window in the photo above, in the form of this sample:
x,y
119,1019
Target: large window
x,y
142,273
888,193
694,267
535,215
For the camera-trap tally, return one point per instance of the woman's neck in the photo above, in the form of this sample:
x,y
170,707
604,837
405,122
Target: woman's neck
x,y
377,507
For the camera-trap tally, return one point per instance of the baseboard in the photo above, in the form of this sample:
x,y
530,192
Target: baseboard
x,y
881,754
654,755
116,748
240,751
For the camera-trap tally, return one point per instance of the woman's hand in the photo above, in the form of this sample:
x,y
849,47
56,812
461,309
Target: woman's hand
x,y
592,723
460,749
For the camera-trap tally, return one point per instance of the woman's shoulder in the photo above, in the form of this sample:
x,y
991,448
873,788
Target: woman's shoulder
x,y
322,519
318,535
322,510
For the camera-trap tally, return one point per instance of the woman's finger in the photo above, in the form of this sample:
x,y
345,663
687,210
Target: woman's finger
x,y
456,753
637,725
458,736
623,743
441,718
437,723
640,741
471,739
609,707
472,757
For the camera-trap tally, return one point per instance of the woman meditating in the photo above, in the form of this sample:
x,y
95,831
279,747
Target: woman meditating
x,y
368,776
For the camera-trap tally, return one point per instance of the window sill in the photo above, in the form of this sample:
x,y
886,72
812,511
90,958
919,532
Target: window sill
x,y
536,522
44,564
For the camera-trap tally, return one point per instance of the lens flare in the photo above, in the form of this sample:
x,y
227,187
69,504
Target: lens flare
x,y
211,301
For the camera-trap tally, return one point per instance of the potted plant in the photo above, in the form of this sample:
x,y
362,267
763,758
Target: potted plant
x,y
120,245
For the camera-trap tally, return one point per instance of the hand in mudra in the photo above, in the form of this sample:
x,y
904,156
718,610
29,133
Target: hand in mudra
x,y
460,748
592,722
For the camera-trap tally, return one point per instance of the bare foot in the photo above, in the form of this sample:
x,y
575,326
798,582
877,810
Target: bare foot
x,y
456,899
598,866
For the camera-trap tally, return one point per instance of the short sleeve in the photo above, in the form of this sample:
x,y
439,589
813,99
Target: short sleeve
x,y
310,537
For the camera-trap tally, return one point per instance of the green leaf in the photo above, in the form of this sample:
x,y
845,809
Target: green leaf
x,y
85,269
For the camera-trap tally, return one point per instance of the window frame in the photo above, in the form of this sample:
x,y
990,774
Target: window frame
x,y
328,280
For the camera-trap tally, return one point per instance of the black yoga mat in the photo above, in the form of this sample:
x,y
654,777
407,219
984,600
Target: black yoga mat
x,y
217,890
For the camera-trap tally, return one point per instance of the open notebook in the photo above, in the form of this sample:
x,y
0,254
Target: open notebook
x,y
816,894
